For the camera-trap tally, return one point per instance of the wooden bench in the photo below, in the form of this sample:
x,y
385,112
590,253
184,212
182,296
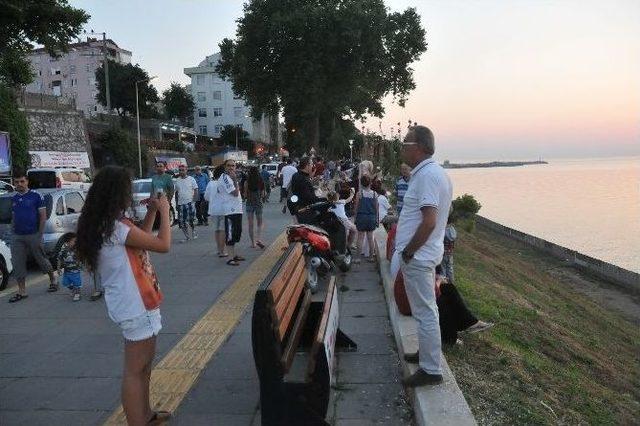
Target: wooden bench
x,y
286,321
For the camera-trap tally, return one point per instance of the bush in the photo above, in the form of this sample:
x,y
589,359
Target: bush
x,y
123,149
465,206
14,121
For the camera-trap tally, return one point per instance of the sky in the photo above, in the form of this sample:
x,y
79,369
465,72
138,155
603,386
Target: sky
x,y
501,79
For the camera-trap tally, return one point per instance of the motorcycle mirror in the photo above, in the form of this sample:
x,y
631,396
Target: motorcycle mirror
x,y
294,199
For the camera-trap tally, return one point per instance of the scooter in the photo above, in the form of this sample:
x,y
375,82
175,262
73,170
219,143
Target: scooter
x,y
324,240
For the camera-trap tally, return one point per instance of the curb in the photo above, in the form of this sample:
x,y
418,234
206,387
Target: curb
x,y
433,405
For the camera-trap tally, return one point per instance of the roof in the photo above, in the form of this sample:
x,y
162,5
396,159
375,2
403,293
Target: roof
x,y
208,65
85,44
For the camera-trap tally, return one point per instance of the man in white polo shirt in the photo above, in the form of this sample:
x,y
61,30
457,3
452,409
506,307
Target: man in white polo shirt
x,y
419,243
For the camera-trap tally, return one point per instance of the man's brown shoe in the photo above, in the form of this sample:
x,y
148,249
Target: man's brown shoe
x,y
422,378
413,358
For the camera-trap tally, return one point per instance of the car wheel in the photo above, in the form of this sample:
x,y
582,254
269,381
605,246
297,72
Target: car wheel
x,y
4,275
56,252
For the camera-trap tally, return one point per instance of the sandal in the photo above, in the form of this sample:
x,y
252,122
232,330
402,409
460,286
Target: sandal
x,y
233,262
260,244
18,297
221,255
239,258
52,288
159,417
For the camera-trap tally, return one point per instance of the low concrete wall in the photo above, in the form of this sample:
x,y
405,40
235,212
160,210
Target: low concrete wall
x,y
607,271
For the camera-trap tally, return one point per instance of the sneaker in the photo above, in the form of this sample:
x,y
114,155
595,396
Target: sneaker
x,y
186,240
96,296
76,297
422,378
52,288
413,358
194,236
479,326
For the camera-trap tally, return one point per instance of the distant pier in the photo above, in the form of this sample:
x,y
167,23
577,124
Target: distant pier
x,y
448,165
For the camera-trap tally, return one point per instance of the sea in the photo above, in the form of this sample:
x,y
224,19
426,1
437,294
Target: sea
x,y
589,205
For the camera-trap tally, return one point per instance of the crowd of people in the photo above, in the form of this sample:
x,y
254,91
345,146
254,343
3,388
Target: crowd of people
x,y
115,249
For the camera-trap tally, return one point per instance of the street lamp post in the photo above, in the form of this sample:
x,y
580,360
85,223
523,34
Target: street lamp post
x,y
138,122
351,150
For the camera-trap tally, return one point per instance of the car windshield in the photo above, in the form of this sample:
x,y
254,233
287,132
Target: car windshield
x,y
142,187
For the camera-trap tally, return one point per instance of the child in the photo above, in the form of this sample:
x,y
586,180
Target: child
x,y
450,236
366,209
383,203
340,212
71,278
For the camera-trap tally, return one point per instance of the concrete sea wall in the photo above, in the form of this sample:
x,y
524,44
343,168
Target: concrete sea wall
x,y
620,276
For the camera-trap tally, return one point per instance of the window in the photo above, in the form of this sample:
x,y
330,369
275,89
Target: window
x,y
203,130
237,111
217,112
60,207
217,95
72,69
74,82
202,97
86,68
39,73
218,129
74,202
200,79
202,112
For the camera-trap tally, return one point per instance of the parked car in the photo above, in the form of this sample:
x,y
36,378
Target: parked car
x,y
58,177
63,210
141,192
6,266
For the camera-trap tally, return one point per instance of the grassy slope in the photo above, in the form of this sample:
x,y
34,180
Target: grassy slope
x,y
554,356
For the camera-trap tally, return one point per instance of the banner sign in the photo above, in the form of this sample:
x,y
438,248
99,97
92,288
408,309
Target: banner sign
x,y
172,162
78,160
5,153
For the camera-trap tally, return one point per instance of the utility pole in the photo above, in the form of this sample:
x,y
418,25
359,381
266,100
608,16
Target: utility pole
x,y
106,70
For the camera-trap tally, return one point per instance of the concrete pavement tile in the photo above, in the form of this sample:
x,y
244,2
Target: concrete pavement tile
x,y
229,365
212,419
27,325
374,343
43,343
239,342
357,368
49,418
15,343
6,381
354,325
73,326
37,393
76,365
373,402
368,422
361,295
369,309
98,343
222,397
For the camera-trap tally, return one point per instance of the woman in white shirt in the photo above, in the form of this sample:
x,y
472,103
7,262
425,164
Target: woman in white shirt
x,y
111,246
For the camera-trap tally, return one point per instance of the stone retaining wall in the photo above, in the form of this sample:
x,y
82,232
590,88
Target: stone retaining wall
x,y
607,271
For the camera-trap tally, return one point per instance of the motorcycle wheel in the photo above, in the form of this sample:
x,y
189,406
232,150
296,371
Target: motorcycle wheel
x,y
345,263
312,280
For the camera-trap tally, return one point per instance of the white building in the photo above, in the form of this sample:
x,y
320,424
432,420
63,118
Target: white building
x,y
73,75
217,106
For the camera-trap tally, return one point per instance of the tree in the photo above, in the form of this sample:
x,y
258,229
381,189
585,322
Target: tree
x,y
118,147
51,23
178,103
309,58
228,137
15,122
123,89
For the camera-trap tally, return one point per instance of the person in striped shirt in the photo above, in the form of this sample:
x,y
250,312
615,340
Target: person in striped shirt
x,y
401,185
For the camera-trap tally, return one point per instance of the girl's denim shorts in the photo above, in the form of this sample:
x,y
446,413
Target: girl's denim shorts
x,y
142,327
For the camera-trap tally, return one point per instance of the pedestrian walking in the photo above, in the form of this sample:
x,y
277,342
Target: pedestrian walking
x,y
202,180
29,215
366,215
215,200
162,182
401,185
68,262
186,193
112,246
253,189
232,202
419,243
266,178
287,173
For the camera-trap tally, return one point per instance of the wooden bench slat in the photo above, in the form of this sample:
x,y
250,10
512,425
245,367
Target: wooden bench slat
x,y
296,332
285,299
285,320
279,282
322,327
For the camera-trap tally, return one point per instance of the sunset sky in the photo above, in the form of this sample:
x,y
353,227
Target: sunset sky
x,y
502,79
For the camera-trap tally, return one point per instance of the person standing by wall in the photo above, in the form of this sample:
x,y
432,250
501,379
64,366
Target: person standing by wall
x,y
202,179
232,201
29,215
419,243
186,192
111,246
401,185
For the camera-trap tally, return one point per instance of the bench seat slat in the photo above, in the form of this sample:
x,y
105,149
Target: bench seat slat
x,y
296,332
279,283
286,318
286,298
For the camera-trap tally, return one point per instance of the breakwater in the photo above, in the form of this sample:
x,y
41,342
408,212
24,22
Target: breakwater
x,y
448,165
612,273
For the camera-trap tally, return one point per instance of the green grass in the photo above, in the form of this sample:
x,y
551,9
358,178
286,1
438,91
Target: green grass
x,y
555,356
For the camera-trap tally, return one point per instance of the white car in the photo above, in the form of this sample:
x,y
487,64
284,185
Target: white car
x,y
6,266
141,193
272,168
58,177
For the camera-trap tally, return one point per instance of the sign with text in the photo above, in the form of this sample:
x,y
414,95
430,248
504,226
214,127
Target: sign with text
x,y
172,162
5,153
329,340
78,160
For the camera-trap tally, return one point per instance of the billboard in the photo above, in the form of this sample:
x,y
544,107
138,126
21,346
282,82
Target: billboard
x,y
172,162
5,153
60,159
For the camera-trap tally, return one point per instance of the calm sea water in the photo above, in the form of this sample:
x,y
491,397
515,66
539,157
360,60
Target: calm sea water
x,y
592,206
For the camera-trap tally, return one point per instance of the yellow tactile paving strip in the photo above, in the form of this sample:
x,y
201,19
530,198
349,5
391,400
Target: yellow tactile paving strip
x,y
177,372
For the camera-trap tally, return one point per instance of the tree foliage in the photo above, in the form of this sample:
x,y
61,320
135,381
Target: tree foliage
x,y
14,121
123,79
465,206
51,23
118,147
178,103
228,138
308,58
